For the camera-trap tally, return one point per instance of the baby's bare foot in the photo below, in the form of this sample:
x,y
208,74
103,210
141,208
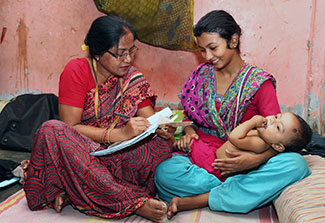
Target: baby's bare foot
x,y
172,207
153,210
60,202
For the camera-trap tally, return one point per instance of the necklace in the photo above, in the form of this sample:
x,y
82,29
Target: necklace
x,y
96,99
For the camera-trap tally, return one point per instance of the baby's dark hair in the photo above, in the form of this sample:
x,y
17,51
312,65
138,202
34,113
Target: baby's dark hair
x,y
303,136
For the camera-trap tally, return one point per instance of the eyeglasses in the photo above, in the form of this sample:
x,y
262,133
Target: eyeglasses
x,y
124,55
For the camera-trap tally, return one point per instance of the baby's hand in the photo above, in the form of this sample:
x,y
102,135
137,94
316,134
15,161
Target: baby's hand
x,y
259,121
166,132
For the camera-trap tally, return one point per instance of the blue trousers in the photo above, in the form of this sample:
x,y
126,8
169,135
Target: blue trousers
x,y
241,193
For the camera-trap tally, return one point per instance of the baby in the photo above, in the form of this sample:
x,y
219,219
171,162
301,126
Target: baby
x,y
282,132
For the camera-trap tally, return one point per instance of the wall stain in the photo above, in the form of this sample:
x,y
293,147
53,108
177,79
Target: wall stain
x,y
274,49
6,96
49,77
22,66
314,113
3,34
73,30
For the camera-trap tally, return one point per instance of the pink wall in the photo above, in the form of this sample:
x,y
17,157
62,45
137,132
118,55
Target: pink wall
x,y
285,37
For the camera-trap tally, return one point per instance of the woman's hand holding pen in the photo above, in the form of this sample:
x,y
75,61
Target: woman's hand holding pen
x,y
135,126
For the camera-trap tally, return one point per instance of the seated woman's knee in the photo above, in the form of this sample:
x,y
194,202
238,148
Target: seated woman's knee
x,y
51,123
161,174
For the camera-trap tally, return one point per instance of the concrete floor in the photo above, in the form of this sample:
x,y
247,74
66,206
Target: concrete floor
x,y
16,156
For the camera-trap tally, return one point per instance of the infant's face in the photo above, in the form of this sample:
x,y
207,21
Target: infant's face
x,y
279,129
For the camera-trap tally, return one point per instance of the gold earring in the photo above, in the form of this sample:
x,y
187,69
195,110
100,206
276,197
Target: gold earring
x,y
235,43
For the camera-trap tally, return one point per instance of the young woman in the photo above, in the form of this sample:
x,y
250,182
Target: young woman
x,y
102,99
218,95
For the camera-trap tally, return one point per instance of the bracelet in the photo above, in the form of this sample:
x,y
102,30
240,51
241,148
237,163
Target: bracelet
x,y
105,138
108,133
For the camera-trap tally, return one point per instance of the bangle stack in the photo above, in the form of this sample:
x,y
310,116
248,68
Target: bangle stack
x,y
106,135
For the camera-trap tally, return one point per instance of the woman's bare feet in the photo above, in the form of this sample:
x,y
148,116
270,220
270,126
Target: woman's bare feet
x,y
61,201
178,204
153,210
172,207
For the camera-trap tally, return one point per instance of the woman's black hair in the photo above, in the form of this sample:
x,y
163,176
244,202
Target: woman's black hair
x,y
221,22
106,32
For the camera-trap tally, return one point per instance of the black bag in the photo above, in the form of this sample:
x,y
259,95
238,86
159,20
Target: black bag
x,y
22,116
316,146
6,168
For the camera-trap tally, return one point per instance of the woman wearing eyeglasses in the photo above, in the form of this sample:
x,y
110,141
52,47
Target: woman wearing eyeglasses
x,y
102,99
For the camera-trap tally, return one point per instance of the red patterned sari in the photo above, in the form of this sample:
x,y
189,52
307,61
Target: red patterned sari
x,y
111,186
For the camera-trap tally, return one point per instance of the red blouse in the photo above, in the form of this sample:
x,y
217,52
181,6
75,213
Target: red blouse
x,y
264,102
76,80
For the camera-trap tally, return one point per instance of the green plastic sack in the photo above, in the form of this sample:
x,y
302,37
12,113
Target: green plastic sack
x,y
163,23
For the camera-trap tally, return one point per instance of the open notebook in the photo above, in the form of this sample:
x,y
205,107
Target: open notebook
x,y
160,118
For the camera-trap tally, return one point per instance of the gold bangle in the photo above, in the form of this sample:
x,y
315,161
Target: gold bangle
x,y
108,133
104,135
